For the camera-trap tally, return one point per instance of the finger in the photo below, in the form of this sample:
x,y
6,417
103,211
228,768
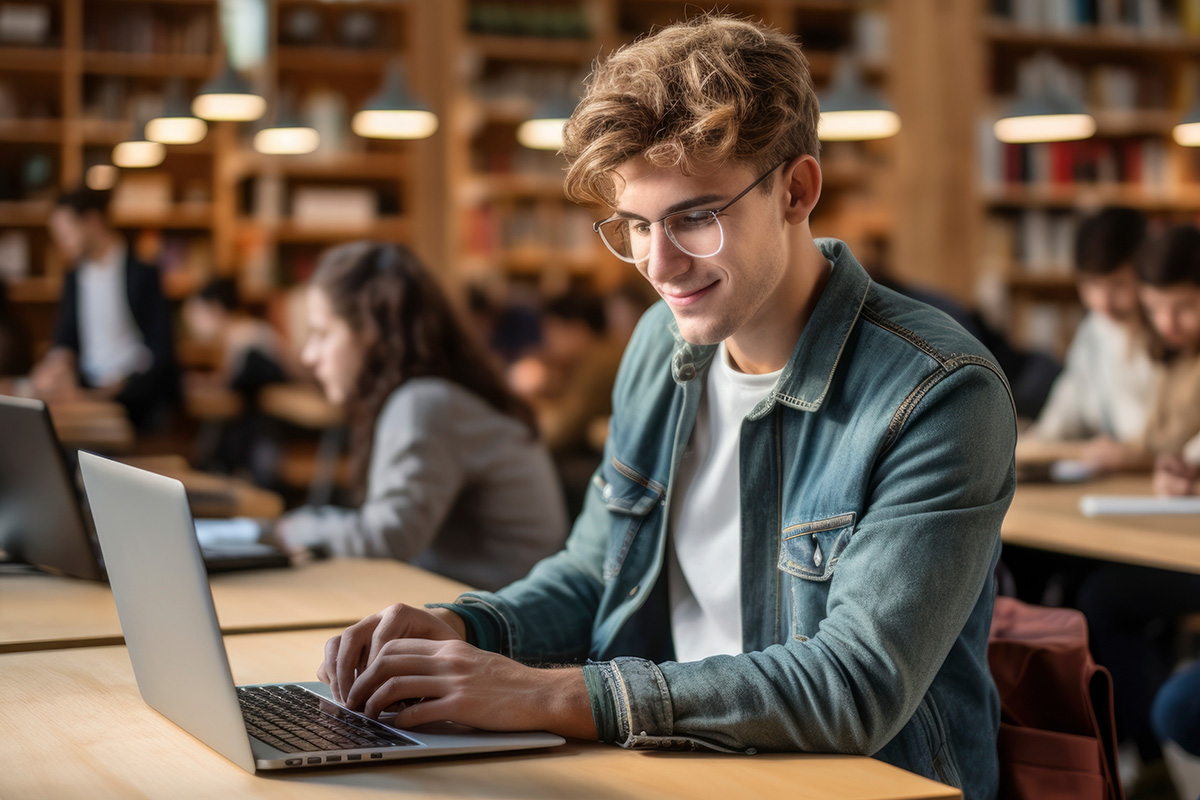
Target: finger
x,y
328,668
434,709
382,670
351,655
401,688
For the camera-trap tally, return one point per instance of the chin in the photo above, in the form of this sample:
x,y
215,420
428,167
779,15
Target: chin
x,y
701,332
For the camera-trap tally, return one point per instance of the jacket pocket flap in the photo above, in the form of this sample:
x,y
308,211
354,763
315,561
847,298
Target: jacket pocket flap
x,y
811,549
626,492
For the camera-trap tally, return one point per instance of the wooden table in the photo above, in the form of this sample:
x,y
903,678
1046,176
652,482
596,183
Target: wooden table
x,y
1047,516
92,425
76,727
45,612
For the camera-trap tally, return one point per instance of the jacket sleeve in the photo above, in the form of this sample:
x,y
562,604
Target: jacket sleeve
x,y
416,475
547,615
900,595
152,313
66,326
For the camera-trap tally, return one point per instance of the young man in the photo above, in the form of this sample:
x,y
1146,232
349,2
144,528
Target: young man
x,y
113,333
790,542
1104,392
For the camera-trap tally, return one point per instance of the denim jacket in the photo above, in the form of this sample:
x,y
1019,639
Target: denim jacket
x,y
874,480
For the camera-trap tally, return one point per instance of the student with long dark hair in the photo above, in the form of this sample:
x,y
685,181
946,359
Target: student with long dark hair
x,y
1133,611
456,479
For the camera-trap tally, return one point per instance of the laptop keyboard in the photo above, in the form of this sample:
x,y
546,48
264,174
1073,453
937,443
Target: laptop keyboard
x,y
294,720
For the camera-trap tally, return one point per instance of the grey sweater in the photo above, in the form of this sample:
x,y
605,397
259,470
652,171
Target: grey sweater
x,y
455,487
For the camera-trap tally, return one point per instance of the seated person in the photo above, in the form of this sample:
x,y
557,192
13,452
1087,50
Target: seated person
x,y
1176,711
1133,612
251,356
1169,278
113,335
790,542
457,480
1103,395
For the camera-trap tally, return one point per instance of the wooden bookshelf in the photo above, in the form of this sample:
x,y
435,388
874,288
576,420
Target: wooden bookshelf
x,y
1135,78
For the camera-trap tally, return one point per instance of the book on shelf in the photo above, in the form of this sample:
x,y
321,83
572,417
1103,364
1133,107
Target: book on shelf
x,y
1150,18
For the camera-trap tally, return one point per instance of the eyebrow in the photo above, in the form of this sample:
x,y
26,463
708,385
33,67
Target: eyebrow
x,y
682,205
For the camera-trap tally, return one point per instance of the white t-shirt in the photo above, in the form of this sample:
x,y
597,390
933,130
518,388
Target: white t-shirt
x,y
110,345
1105,387
704,559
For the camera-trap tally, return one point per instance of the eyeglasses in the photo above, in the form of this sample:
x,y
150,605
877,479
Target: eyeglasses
x,y
697,233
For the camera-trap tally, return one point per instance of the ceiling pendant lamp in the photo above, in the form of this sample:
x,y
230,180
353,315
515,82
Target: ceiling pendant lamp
x,y
853,112
176,124
1044,111
286,134
394,113
138,152
544,130
228,97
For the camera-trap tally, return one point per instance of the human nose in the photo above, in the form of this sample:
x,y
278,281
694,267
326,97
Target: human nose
x,y
664,259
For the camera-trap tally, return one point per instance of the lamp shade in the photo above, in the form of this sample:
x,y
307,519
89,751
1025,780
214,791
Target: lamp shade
x,y
138,152
394,113
853,112
286,134
176,124
1187,132
544,130
1045,116
228,97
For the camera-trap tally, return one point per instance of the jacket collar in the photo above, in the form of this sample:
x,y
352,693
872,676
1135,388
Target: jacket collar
x,y
809,372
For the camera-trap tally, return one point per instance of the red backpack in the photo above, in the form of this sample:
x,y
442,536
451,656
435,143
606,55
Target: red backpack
x,y
1057,733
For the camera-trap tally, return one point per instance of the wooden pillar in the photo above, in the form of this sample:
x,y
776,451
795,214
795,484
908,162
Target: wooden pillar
x,y
937,80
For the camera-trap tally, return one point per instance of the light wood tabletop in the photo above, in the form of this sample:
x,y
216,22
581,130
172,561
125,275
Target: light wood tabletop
x,y
1047,516
45,612
85,732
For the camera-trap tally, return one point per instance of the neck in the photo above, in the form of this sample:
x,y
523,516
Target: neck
x,y
765,343
102,248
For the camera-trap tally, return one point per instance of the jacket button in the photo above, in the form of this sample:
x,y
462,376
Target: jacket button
x,y
607,493
687,372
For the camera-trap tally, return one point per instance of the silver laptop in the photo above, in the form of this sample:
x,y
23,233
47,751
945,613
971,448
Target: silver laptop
x,y
174,641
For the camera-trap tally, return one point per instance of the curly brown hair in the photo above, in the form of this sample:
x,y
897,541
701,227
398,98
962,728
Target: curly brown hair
x,y
383,291
692,95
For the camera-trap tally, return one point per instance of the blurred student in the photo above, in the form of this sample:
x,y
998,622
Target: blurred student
x,y
1132,611
1170,293
113,335
1103,395
457,480
251,354
251,357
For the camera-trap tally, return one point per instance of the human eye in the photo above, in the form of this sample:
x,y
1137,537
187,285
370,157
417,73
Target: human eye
x,y
639,227
690,220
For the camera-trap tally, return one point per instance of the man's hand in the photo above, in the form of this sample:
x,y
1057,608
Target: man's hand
x,y
348,654
452,680
1174,477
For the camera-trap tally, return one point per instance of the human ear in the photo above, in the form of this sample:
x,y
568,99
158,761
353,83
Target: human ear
x,y
802,178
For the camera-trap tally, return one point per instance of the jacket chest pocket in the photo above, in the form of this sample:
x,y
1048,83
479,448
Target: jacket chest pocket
x,y
810,550
630,499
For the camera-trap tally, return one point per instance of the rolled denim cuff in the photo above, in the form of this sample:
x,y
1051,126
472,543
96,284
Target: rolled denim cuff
x,y
486,627
598,679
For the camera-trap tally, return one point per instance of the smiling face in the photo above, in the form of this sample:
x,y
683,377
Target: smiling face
x,y
1174,311
333,351
734,291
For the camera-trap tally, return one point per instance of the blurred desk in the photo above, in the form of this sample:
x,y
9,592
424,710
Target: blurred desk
x,y
300,404
82,730
1047,516
92,425
47,612
213,495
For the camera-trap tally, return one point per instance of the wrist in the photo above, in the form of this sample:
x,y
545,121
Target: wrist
x,y
567,707
456,623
